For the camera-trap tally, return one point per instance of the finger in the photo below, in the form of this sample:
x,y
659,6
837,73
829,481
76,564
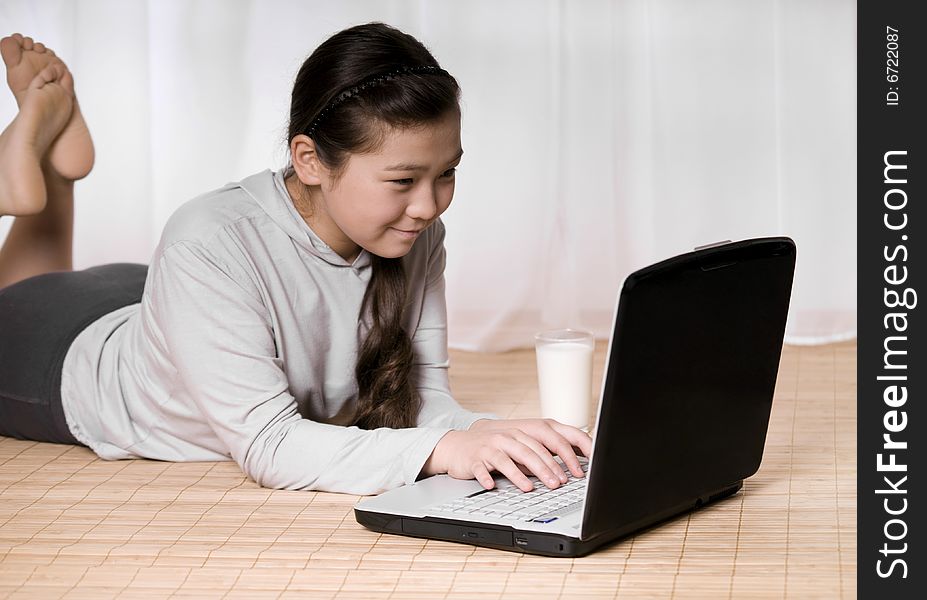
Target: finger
x,y
562,447
548,432
549,440
529,458
503,463
555,468
559,439
577,437
567,453
568,439
482,475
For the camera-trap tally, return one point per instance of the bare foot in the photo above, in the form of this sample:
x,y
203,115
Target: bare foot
x,y
71,154
45,107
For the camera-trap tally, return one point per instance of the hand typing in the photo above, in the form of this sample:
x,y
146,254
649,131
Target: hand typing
x,y
514,448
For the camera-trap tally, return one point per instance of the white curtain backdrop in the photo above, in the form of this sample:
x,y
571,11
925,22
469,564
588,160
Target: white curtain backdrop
x,y
600,135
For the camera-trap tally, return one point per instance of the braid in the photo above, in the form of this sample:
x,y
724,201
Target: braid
x,y
386,396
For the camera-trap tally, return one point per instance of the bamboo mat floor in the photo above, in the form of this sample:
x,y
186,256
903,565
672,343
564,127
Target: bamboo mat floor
x,y
74,526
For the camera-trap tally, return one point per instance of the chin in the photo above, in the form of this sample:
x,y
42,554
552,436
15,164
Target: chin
x,y
394,252
388,246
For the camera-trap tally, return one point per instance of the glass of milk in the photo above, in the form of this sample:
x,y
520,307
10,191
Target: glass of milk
x,y
564,359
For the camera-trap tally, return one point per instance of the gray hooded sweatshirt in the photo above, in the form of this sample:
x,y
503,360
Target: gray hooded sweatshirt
x,y
244,347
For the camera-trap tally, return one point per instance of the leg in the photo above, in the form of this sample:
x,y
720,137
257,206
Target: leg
x,y
33,187
41,243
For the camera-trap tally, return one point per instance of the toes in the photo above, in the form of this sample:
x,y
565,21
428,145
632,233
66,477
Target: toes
x,y
11,50
27,43
42,77
50,74
38,47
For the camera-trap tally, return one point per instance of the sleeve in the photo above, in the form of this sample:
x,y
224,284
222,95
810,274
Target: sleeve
x,y
429,343
220,339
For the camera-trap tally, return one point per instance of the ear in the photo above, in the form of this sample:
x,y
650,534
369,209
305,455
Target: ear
x,y
306,164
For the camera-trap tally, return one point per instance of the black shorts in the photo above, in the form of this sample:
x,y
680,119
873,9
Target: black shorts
x,y
39,318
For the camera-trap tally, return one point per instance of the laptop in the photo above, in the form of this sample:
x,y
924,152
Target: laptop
x,y
682,419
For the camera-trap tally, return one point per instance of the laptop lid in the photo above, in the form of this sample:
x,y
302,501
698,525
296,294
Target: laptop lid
x,y
689,381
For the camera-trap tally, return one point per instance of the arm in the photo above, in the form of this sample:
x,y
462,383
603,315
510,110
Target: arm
x,y
219,337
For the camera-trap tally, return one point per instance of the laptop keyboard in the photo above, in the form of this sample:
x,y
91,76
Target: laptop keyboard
x,y
506,501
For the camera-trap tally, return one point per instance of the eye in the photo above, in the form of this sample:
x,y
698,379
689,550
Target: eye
x,y
404,181
449,173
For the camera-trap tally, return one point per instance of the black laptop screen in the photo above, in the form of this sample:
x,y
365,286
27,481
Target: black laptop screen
x,y
690,379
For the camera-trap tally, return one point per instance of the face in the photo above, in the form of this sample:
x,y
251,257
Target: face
x,y
382,200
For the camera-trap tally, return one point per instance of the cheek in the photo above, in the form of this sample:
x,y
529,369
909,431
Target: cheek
x,y
356,205
372,212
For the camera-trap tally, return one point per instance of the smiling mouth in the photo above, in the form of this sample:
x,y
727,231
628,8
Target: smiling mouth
x,y
407,234
410,231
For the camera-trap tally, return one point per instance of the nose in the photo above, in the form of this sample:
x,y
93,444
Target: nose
x,y
423,205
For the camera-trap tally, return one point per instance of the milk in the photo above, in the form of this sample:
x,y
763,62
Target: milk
x,y
565,381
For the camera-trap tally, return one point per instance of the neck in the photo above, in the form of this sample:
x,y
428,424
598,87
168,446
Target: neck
x,y
301,202
295,190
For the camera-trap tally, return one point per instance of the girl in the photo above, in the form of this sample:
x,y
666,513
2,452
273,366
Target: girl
x,y
294,321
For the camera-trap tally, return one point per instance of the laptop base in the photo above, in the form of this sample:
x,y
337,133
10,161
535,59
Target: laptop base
x,y
529,542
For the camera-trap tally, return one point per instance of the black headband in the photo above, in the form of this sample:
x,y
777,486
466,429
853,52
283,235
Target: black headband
x,y
370,82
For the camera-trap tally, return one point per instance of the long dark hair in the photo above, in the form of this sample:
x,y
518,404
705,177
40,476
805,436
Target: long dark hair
x,y
355,86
